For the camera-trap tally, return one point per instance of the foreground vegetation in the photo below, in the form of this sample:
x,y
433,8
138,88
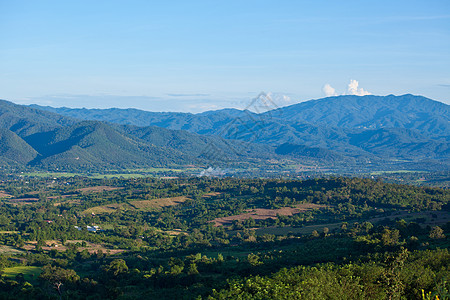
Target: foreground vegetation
x,y
189,238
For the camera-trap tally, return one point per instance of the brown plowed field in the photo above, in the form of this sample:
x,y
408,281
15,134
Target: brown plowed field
x,y
97,189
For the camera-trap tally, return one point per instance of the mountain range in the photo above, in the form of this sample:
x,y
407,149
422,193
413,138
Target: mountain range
x,y
46,140
347,130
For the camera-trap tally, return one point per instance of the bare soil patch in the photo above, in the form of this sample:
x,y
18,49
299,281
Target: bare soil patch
x,y
23,201
56,245
97,189
3,194
94,248
212,194
60,196
263,213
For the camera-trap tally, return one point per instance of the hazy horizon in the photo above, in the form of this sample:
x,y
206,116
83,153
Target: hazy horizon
x,y
278,102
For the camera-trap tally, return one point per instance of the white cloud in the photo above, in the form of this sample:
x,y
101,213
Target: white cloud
x,y
329,90
354,90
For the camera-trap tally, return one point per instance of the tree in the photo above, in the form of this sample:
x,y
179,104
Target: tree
x,y
253,259
116,267
394,286
437,233
57,277
344,226
192,269
367,226
390,237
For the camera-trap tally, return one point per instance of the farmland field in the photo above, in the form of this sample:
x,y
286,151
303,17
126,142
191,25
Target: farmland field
x,y
9,250
261,213
139,205
157,203
97,189
30,273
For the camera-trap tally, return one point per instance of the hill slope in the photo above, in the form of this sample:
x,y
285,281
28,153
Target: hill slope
x,y
51,141
15,149
372,112
98,145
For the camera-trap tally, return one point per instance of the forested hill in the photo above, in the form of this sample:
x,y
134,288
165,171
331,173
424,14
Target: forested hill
x,y
408,111
389,127
25,121
50,141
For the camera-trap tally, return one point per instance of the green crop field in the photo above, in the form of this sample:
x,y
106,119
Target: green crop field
x,y
30,273
127,173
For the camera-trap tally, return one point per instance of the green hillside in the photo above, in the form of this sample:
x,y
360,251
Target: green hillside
x,y
15,149
92,144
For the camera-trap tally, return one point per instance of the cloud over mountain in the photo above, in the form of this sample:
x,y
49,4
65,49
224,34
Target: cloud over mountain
x,y
352,89
329,90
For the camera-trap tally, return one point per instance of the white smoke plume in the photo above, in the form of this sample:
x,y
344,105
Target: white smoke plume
x,y
211,172
354,90
329,90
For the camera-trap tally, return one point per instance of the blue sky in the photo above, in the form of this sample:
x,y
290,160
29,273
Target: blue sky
x,y
199,55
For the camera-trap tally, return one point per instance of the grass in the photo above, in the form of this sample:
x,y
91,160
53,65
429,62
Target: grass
x,y
124,175
9,250
108,208
155,170
30,273
52,174
128,173
146,205
90,175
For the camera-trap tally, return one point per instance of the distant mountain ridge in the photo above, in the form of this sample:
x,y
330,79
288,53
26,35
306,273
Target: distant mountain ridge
x,y
348,111
386,127
372,112
346,130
